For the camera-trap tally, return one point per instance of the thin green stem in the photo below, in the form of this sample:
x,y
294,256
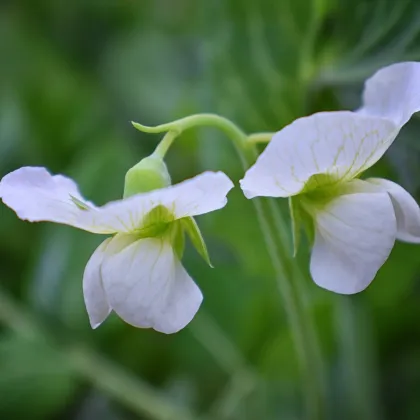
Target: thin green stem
x,y
260,138
163,147
356,346
289,284
120,385
231,130
304,335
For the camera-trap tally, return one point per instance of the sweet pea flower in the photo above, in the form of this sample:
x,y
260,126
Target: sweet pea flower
x,y
317,160
137,272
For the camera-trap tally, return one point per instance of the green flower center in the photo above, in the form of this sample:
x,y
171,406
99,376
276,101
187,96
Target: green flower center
x,y
160,222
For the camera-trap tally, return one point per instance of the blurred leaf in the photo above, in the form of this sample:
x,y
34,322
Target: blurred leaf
x,y
396,279
146,64
404,156
35,382
96,406
367,36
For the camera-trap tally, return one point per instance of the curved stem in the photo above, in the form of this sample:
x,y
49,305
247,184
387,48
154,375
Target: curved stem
x,y
260,138
303,331
163,147
228,127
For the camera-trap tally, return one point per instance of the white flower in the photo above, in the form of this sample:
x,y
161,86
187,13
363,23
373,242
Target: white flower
x,y
316,161
137,272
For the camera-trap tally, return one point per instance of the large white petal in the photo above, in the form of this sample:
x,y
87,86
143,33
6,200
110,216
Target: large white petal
x,y
202,194
147,286
393,92
97,305
407,211
340,144
354,235
36,195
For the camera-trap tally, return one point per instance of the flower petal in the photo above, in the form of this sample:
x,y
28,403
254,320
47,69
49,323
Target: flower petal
x,y
354,235
393,92
147,286
97,305
36,195
339,145
406,209
201,194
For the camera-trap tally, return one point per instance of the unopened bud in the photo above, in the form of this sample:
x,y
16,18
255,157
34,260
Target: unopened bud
x,y
149,174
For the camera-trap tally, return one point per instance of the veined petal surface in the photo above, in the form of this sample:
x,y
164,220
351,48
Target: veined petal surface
x,y
36,195
339,145
202,194
354,236
147,286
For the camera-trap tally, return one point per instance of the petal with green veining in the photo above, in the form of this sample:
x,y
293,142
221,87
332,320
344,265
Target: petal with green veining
x,y
202,194
147,286
318,151
354,236
36,195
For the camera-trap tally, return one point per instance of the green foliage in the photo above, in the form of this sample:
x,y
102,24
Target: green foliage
x,y
33,373
73,75
296,221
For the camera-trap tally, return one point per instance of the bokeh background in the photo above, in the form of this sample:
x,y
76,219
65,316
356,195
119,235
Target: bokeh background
x,y
73,74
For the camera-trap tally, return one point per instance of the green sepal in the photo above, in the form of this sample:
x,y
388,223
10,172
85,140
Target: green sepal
x,y
160,223
156,223
149,174
80,204
296,220
321,185
308,226
307,214
178,238
196,238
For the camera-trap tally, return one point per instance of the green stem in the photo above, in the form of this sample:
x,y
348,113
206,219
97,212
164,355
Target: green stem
x,y
298,315
303,331
231,130
120,385
260,138
163,147
357,354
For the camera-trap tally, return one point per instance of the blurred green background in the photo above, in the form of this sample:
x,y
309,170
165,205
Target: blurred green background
x,y
73,75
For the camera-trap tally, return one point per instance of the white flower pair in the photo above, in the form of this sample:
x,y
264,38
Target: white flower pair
x,y
316,161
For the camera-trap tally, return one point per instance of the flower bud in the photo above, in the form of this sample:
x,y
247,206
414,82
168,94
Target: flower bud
x,y
149,174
